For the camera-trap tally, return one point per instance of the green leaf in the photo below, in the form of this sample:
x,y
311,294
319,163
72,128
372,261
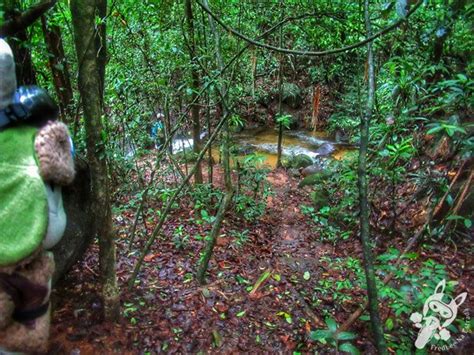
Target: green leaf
x,y
454,217
435,130
261,280
389,324
346,336
331,323
287,317
217,338
401,8
320,335
240,314
449,200
349,348
468,223
306,275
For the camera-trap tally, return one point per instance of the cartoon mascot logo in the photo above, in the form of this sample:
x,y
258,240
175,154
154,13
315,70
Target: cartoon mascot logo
x,y
437,316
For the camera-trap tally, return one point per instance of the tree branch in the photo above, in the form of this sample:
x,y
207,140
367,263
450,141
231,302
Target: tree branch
x,y
26,18
310,53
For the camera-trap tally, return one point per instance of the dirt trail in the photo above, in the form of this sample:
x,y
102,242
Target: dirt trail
x,y
168,311
295,243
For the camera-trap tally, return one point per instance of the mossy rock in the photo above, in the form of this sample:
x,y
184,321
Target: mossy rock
x,y
297,161
312,169
315,179
301,161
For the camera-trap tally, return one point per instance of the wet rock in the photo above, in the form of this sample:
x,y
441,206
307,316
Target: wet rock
x,y
312,169
299,161
326,149
244,149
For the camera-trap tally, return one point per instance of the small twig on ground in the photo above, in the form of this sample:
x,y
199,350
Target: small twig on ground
x,y
460,200
441,202
261,280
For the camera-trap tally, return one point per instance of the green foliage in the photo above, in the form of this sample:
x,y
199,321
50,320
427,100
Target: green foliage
x,y
236,122
205,195
180,237
253,187
332,337
445,127
148,72
284,120
334,197
240,237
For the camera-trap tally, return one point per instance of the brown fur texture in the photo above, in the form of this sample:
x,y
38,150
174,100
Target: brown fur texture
x,y
6,310
31,336
53,149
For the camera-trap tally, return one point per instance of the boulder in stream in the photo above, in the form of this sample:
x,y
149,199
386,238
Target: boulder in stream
x,y
244,149
325,149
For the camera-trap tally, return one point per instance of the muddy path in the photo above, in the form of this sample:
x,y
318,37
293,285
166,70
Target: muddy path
x,y
166,311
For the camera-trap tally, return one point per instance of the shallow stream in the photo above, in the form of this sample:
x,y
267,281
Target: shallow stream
x,y
265,141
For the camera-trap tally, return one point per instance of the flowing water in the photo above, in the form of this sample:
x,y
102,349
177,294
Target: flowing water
x,y
264,142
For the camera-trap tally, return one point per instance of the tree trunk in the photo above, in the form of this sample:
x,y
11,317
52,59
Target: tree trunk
x,y
254,72
101,44
59,68
376,324
226,201
194,87
280,94
83,18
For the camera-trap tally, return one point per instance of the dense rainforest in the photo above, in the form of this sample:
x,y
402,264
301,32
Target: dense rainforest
x,y
273,176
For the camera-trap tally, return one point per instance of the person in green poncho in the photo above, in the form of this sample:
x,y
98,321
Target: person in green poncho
x,y
35,161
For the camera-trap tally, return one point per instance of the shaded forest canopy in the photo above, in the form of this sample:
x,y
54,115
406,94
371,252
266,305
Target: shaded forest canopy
x,y
278,176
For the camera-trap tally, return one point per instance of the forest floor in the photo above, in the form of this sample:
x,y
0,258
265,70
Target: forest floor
x,y
167,311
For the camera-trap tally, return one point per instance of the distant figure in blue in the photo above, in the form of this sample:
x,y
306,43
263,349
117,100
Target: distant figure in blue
x,y
158,131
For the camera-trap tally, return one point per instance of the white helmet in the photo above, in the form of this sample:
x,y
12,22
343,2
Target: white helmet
x,y
7,75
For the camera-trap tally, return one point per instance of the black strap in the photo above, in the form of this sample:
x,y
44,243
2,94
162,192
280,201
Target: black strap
x,y
4,120
27,296
31,314
11,114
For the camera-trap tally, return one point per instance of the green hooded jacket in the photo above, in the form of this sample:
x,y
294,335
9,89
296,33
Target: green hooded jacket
x,y
23,201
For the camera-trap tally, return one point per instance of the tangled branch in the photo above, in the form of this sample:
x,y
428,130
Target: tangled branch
x,y
310,53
